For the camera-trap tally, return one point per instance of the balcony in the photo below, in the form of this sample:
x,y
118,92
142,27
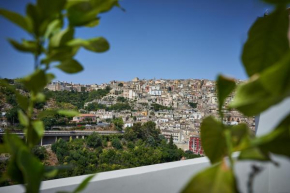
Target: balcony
x,y
171,177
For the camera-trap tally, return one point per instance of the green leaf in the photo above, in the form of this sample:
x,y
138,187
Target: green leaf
x,y
25,46
46,113
51,9
215,179
34,133
267,42
213,139
61,38
60,54
252,98
254,154
3,149
32,169
70,66
53,28
16,18
49,77
34,16
93,23
68,113
13,171
84,184
276,79
39,128
22,101
241,136
99,44
224,87
272,85
23,118
84,13
50,171
36,81
13,144
40,97
277,141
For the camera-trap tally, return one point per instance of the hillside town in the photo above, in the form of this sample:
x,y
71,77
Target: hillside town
x,y
176,106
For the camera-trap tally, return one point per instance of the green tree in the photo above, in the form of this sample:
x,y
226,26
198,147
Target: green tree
x,y
118,122
116,143
94,140
12,115
193,105
171,144
39,152
130,134
121,99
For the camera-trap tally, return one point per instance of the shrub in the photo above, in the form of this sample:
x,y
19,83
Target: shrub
x,y
39,152
116,143
94,140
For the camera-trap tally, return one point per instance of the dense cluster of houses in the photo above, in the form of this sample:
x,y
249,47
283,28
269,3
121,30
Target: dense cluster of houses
x,y
182,106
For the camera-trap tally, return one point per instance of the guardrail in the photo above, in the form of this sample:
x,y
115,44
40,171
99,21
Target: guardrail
x,y
70,133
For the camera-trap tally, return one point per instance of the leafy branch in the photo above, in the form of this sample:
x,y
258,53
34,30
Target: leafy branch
x,y
53,45
266,58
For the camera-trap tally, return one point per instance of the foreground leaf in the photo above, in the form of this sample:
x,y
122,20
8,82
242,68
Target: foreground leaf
x,y
68,113
224,87
61,38
51,9
241,136
215,179
84,184
254,153
25,46
23,119
213,139
277,141
276,79
267,42
32,169
248,98
13,144
99,44
16,18
53,28
22,100
70,66
85,13
36,81
46,113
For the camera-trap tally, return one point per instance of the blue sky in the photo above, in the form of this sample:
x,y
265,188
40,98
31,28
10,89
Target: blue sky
x,y
171,39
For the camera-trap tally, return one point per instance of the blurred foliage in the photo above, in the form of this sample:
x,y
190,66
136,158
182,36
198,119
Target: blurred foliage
x,y
266,58
53,44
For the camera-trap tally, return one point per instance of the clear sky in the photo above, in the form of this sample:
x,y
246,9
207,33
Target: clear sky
x,y
170,39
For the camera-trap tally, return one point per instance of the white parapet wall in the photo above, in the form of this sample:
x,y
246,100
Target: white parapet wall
x,y
172,177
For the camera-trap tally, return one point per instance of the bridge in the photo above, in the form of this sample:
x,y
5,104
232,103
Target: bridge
x,y
51,137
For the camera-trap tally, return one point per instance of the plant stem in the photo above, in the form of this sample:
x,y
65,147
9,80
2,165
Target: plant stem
x,y
38,51
229,148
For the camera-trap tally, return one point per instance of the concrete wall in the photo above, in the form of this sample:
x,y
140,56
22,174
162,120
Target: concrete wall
x,y
171,177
